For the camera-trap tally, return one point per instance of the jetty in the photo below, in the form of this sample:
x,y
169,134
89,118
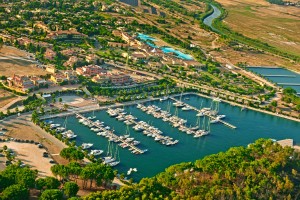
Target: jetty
x,y
136,149
286,142
208,115
280,75
141,126
289,84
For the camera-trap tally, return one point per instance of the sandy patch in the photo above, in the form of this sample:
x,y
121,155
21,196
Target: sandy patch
x,y
32,156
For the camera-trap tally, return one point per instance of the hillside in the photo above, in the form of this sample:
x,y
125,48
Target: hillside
x,y
263,170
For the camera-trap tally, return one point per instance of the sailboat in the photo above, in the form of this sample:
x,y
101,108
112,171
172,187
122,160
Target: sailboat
x,y
197,125
165,97
93,116
116,158
179,103
127,134
109,158
200,114
206,131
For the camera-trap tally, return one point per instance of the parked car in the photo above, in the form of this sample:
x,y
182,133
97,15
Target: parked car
x,y
45,154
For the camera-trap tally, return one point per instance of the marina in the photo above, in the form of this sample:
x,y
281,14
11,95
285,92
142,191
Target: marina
x,y
110,134
280,76
251,126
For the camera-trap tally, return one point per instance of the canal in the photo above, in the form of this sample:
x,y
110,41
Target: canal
x,y
209,20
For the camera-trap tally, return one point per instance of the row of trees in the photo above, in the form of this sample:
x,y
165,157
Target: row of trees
x,y
91,175
16,181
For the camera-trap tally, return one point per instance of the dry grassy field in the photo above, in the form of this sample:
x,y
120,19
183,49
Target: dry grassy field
x,y
12,66
6,97
277,25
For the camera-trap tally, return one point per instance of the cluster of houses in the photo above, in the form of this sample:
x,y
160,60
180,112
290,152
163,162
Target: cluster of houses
x,y
102,76
97,74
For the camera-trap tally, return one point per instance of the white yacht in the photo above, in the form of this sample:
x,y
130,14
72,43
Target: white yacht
x,y
86,145
200,114
187,108
96,152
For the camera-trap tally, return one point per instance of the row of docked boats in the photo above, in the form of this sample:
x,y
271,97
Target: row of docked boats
x,y
175,121
141,126
105,131
61,130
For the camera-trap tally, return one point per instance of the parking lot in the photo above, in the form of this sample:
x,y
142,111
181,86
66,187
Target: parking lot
x,y
30,155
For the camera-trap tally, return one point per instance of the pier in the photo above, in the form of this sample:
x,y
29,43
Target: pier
x,y
140,151
147,129
289,84
210,116
272,75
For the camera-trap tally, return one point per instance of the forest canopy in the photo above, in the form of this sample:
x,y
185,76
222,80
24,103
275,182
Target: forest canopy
x,y
263,170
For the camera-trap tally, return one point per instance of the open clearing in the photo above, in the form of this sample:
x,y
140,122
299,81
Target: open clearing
x,y
277,25
6,97
15,66
31,155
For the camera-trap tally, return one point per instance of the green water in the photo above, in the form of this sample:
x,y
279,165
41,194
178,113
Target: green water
x,y
251,125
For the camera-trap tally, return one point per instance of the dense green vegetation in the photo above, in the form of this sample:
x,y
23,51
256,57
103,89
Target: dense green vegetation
x,y
290,96
263,170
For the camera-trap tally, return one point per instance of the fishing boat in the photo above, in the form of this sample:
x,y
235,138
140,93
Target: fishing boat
x,y
86,145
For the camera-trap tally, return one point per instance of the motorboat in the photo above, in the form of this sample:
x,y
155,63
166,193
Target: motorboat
x,y
86,145
200,114
96,152
187,108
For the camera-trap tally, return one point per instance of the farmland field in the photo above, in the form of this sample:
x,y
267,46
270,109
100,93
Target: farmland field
x,y
276,25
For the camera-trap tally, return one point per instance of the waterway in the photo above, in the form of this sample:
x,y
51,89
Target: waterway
x,y
209,20
251,126
150,41
288,76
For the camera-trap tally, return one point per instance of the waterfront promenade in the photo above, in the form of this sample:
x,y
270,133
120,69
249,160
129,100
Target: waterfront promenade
x,y
86,109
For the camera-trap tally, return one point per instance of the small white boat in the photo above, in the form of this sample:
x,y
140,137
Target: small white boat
x,y
112,164
187,108
221,116
86,145
164,98
96,152
200,114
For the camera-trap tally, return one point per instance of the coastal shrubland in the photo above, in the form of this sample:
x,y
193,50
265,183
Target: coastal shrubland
x,y
263,170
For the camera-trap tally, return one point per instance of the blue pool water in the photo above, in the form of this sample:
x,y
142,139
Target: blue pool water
x,y
165,49
251,125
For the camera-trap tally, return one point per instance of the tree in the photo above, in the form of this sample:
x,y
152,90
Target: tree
x,y
47,183
53,194
70,189
60,100
71,153
15,192
274,103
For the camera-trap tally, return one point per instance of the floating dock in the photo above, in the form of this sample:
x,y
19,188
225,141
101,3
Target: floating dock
x,y
140,151
210,116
